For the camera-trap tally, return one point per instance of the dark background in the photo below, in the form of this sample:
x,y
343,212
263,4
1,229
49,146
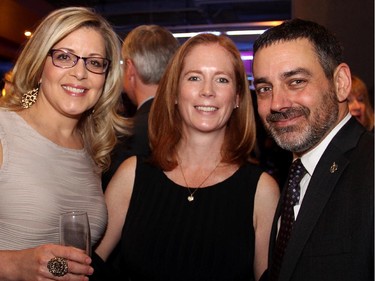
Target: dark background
x,y
352,21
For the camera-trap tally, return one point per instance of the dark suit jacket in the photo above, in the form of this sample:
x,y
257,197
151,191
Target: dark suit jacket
x,y
136,144
333,236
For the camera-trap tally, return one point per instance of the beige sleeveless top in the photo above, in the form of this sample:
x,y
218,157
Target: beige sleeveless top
x,y
39,180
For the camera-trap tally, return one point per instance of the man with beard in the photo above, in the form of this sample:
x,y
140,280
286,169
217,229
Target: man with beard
x,y
302,85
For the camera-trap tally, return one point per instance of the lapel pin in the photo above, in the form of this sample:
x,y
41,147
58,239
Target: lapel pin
x,y
333,168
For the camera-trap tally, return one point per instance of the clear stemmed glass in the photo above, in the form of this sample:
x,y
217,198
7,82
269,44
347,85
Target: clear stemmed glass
x,y
75,230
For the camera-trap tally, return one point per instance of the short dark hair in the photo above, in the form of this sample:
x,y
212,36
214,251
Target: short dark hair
x,y
325,43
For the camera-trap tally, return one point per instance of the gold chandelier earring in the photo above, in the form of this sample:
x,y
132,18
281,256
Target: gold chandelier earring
x,y
29,98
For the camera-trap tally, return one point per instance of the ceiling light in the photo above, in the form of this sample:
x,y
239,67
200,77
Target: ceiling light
x,y
192,34
247,57
229,33
245,32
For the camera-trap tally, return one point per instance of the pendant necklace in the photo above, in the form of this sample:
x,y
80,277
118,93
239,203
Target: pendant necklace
x,y
190,198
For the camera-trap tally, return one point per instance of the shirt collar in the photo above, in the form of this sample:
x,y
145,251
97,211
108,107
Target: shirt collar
x,y
146,100
311,158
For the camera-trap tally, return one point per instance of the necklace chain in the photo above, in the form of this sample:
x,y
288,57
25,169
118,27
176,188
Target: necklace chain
x,y
190,198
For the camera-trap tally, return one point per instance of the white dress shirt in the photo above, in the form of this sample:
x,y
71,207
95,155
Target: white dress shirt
x,y
311,159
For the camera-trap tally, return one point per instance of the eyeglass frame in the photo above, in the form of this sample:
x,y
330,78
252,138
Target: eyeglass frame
x,y
52,51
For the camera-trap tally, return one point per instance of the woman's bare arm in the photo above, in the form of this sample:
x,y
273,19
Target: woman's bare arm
x,y
265,202
117,197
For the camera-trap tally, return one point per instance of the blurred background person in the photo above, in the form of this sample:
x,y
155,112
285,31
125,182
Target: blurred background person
x,y
359,103
198,209
57,129
146,52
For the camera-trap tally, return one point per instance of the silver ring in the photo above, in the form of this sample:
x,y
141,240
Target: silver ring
x,y
58,266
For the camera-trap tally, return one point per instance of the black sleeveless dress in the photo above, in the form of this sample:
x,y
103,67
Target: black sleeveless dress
x,y
166,237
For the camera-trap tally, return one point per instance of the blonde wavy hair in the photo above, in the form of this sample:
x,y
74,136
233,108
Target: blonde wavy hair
x,y
100,126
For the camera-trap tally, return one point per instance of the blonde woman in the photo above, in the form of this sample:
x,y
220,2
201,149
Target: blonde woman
x,y
57,130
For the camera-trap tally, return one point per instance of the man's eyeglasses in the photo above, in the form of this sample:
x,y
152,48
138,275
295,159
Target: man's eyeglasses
x,y
64,59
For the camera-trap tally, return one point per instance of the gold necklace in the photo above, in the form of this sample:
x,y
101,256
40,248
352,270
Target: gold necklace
x,y
190,198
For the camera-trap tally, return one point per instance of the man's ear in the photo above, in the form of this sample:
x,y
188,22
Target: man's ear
x,y
129,68
342,81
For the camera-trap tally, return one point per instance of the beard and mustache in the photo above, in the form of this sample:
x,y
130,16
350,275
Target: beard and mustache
x,y
307,133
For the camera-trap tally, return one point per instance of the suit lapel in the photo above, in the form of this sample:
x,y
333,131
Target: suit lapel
x,y
316,198
326,174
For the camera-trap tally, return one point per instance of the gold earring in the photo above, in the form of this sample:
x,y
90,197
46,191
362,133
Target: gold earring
x,y
29,98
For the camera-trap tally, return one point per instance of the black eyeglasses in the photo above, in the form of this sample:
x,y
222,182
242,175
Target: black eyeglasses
x,y
64,59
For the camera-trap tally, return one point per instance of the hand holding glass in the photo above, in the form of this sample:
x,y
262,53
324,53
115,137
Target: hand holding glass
x,y
75,230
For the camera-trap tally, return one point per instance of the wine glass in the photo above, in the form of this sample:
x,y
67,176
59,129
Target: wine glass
x,y
75,230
